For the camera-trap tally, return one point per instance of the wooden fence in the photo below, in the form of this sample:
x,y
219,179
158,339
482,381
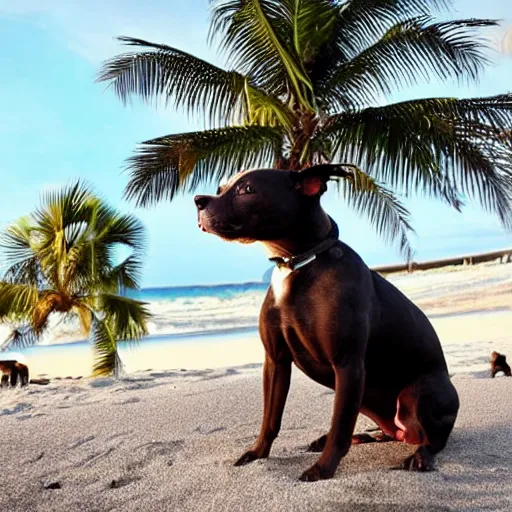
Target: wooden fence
x,y
503,256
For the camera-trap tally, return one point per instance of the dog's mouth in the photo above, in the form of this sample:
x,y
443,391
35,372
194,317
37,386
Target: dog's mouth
x,y
221,229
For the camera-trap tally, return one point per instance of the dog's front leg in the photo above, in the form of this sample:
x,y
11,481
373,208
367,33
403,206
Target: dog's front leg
x,y
349,385
276,383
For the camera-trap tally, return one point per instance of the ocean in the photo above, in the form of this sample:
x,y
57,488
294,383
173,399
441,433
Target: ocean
x,y
197,327
184,321
180,311
195,310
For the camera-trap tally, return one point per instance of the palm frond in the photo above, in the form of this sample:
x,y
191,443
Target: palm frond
x,y
254,35
128,317
261,109
410,51
167,73
88,261
64,207
356,25
125,276
112,228
387,215
21,337
16,300
121,318
433,145
362,22
16,241
315,25
85,316
26,271
90,246
170,164
104,342
61,215
91,259
312,23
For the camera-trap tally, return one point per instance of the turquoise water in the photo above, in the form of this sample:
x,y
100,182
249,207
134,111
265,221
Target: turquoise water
x,y
180,316
222,291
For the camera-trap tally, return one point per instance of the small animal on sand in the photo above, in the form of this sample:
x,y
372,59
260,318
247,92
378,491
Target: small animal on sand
x,y
499,364
342,324
12,371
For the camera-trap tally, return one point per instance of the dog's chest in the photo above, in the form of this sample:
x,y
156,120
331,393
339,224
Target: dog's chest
x,y
279,283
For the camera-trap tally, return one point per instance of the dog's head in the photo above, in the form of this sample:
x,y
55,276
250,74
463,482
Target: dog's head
x,y
498,359
264,204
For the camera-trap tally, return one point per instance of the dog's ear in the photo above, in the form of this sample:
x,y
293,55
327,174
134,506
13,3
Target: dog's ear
x,y
311,185
312,181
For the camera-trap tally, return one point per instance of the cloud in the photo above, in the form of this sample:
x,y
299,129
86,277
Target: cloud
x,y
89,27
506,42
500,38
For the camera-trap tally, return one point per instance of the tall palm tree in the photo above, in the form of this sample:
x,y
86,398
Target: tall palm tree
x,y
62,260
306,82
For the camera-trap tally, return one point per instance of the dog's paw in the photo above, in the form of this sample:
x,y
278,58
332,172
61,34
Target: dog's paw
x,y
315,473
421,460
246,458
317,445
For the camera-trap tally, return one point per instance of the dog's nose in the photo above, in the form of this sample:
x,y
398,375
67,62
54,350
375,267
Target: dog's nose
x,y
201,202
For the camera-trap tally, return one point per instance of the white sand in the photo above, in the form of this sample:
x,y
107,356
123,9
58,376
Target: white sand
x,y
169,439
170,442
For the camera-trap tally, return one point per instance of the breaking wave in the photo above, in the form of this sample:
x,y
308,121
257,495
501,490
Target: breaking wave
x,y
180,311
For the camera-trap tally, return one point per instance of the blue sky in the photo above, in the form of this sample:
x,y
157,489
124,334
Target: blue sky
x,y
58,125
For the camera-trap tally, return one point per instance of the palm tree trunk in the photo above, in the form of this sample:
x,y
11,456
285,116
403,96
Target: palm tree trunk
x,y
118,367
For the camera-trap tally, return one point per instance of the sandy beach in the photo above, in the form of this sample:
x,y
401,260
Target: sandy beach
x,y
168,442
167,439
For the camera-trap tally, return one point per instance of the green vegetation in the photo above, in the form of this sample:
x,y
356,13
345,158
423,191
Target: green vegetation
x,y
306,82
62,261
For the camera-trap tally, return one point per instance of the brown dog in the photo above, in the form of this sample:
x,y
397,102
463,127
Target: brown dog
x,y
13,370
499,364
342,324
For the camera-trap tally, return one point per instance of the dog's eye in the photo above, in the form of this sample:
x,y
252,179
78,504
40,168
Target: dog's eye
x,y
245,189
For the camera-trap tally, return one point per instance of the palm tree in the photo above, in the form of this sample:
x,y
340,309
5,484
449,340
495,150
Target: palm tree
x,y
307,82
62,260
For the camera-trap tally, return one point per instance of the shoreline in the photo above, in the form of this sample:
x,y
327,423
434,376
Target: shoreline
x,y
467,338
439,292
469,307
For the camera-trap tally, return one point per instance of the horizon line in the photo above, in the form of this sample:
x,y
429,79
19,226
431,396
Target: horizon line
x,y
377,268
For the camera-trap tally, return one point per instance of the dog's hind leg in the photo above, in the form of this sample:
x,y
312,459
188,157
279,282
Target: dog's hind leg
x,y
384,432
386,427
426,413
379,437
